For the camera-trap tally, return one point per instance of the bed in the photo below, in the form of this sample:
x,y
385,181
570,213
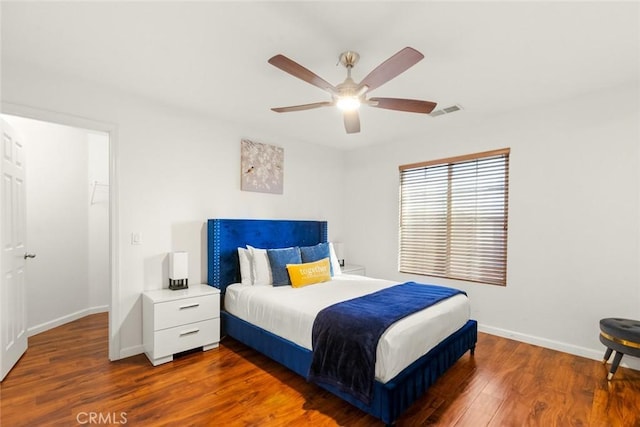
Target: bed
x,y
403,371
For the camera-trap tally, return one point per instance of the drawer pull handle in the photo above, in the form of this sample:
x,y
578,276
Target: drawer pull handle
x,y
183,307
191,332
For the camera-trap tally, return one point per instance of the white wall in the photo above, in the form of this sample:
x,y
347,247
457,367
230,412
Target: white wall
x,y
175,170
574,215
58,284
98,219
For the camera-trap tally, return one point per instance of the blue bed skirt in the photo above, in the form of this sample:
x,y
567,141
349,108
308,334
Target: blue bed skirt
x,y
391,399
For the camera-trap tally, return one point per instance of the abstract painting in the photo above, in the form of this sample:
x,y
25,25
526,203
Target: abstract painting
x,y
262,167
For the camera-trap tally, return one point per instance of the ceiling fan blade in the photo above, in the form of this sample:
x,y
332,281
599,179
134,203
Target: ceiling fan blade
x,y
352,121
297,70
303,107
409,105
392,67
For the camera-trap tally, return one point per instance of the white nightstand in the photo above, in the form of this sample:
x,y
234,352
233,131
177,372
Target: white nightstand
x,y
176,321
353,269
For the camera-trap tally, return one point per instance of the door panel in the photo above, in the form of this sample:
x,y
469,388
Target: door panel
x,y
13,330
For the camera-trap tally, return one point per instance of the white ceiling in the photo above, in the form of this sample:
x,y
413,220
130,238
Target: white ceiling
x,y
211,57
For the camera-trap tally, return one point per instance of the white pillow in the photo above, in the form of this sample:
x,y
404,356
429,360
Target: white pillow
x,y
335,264
261,269
246,275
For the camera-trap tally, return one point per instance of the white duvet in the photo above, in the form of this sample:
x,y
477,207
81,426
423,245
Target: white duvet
x,y
290,312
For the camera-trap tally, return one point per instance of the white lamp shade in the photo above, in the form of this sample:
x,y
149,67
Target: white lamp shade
x,y
178,265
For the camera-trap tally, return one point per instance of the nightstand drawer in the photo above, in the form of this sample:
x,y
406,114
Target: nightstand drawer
x,y
185,310
185,337
176,321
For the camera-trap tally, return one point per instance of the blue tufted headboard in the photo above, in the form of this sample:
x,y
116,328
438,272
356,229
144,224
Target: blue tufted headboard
x,y
225,236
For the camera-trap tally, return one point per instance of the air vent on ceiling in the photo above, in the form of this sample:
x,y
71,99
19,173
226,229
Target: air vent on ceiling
x,y
446,110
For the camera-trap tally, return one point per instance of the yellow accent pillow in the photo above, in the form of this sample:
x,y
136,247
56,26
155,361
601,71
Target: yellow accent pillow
x,y
309,273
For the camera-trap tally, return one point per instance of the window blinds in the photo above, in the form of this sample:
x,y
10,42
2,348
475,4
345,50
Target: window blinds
x,y
453,217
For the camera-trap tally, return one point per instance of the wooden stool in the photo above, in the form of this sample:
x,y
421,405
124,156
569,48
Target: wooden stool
x,y
621,335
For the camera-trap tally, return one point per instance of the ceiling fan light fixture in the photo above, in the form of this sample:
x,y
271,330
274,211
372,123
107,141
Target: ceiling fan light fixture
x,y
348,103
349,95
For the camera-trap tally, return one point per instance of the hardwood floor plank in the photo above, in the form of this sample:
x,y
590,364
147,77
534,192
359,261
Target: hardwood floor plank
x,y
480,412
65,375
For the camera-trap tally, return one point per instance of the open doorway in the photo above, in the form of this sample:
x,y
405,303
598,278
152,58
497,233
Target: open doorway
x,y
68,205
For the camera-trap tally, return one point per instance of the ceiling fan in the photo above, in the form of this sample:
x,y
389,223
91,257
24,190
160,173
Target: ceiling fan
x,y
349,95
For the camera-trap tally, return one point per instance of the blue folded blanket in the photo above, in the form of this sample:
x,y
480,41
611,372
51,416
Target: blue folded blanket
x,y
345,335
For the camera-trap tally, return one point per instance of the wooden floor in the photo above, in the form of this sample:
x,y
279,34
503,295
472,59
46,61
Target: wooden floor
x,y
65,379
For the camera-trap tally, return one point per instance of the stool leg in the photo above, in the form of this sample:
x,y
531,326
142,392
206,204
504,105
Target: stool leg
x,y
607,355
614,365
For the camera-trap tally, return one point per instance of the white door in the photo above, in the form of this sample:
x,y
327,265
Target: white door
x,y
13,313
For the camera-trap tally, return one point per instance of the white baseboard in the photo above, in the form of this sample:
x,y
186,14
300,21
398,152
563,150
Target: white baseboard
x,y
65,319
131,351
628,362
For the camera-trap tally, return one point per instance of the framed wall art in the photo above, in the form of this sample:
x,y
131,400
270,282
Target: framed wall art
x,y
261,167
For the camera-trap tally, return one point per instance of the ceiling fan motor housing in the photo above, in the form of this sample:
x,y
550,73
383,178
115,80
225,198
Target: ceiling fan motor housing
x,y
348,88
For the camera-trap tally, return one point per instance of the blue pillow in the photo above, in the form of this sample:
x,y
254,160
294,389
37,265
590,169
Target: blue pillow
x,y
316,253
278,259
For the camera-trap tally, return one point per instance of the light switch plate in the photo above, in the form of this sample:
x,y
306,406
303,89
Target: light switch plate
x,y
136,238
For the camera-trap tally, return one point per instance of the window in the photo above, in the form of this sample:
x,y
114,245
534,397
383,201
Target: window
x,y
453,217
